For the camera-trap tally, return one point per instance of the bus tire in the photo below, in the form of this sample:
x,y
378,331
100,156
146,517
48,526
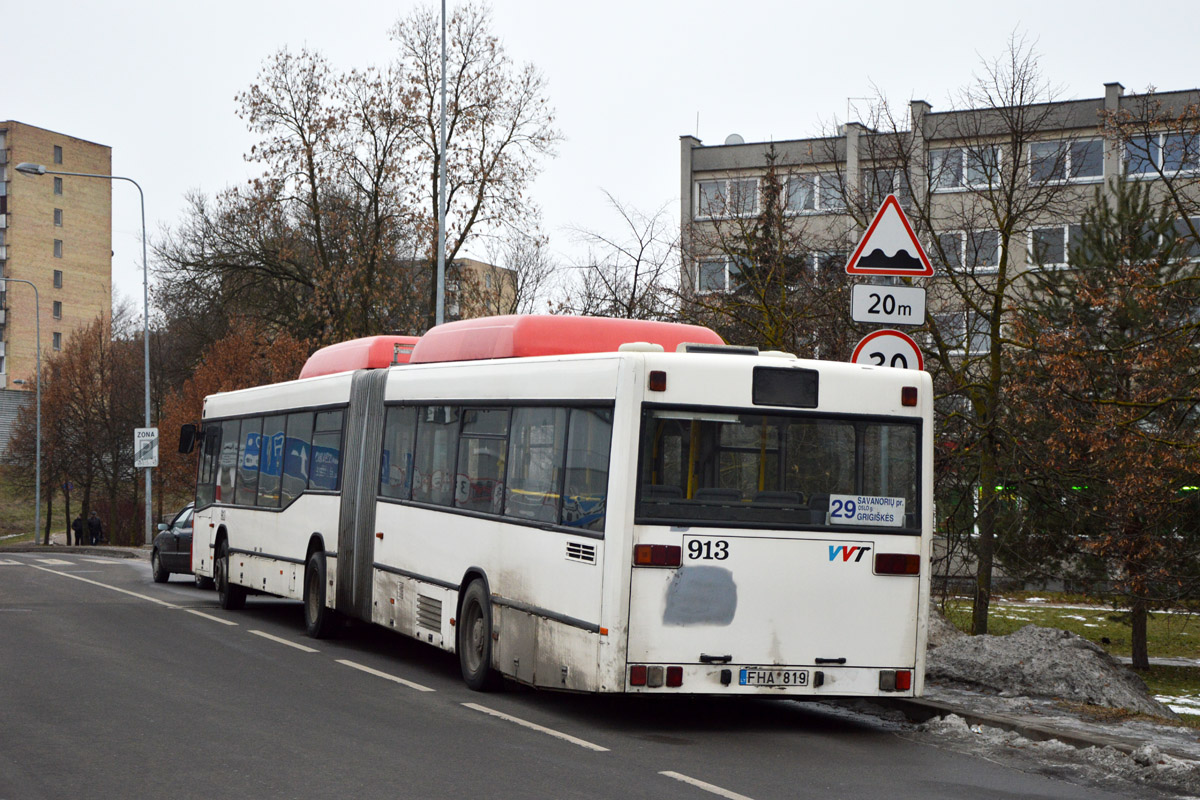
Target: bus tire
x,y
156,567
474,641
230,596
319,619
203,582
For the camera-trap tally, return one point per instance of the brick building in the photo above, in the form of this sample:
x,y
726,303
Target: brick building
x,y
56,232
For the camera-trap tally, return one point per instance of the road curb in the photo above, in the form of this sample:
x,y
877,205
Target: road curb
x,y
142,551
918,710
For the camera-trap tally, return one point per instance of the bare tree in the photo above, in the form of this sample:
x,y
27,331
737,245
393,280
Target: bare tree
x,y
499,124
629,274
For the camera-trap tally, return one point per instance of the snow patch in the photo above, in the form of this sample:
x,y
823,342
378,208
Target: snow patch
x,y
1041,662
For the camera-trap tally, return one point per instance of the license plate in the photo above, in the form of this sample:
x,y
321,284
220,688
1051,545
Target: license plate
x,y
752,676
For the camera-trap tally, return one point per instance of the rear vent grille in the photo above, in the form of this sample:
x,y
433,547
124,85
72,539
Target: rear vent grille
x,y
578,551
429,613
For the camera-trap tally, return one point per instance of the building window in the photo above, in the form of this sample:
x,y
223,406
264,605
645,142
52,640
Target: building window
x,y
964,167
1080,159
1051,246
58,248
736,197
58,279
820,191
1168,152
58,185
58,217
717,275
954,327
57,340
975,251
58,309
57,154
879,183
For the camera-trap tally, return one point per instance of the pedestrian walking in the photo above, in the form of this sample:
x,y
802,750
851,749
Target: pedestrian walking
x,y
95,529
77,527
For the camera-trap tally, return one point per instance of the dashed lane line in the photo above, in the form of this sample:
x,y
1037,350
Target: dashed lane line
x,y
106,586
210,616
566,737
288,642
55,562
384,675
708,787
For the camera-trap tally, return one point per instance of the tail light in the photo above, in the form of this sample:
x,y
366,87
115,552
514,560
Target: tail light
x,y
652,676
637,675
908,396
897,564
657,555
895,680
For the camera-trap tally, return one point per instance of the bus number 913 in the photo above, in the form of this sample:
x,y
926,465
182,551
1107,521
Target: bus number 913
x,y
708,549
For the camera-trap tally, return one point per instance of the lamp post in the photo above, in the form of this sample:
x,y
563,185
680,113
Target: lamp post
x,y
37,469
440,304
39,169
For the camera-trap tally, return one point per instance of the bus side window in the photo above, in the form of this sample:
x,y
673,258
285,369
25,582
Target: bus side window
x,y
535,463
437,445
227,460
210,448
326,451
395,469
271,461
586,477
297,456
249,456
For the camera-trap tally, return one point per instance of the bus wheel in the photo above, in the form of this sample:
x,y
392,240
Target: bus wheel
x,y
204,583
474,643
230,596
318,618
156,566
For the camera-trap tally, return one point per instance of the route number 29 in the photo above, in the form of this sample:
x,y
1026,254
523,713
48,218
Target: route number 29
x,y
708,549
842,509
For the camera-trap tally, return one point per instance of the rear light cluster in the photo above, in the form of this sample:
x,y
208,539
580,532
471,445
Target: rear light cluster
x,y
895,680
657,555
654,676
897,564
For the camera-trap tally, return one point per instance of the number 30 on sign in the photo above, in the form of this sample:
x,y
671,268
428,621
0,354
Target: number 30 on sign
x,y
888,348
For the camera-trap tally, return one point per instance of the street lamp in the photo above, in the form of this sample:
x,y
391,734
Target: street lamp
x,y
37,469
39,169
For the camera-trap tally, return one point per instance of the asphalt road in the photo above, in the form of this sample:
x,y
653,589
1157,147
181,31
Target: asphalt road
x,y
112,686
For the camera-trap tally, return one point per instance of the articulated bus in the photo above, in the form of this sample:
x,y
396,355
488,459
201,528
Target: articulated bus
x,y
588,504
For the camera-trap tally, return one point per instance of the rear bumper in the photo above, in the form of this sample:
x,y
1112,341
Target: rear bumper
x,y
819,681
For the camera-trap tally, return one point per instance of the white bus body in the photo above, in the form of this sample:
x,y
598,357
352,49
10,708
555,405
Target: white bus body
x,y
751,585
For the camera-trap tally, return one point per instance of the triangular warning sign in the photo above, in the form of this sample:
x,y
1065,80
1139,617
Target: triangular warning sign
x,y
889,247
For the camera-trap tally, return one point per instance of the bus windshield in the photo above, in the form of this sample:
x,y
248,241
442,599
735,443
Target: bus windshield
x,y
739,469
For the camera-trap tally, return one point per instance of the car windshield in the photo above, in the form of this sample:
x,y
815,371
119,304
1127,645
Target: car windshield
x,y
720,468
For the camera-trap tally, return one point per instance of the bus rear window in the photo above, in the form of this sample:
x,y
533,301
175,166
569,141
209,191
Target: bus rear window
x,y
720,468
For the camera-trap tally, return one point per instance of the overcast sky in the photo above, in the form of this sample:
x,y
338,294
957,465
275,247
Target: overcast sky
x,y
156,81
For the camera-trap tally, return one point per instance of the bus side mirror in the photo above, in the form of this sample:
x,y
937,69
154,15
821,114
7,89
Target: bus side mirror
x,y
187,437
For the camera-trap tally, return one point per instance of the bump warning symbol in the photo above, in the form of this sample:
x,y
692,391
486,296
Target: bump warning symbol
x,y
889,247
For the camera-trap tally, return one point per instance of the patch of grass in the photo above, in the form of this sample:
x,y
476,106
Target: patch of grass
x,y
17,514
1167,635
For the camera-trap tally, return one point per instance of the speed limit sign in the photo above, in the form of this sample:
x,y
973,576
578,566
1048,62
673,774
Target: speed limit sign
x,y
888,348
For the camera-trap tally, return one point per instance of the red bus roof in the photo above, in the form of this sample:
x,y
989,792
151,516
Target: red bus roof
x,y
370,352
521,335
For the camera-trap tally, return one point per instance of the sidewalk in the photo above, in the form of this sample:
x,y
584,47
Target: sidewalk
x,y
58,544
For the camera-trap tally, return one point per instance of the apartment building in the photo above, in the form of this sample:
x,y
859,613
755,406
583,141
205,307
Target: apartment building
x,y
55,232
952,171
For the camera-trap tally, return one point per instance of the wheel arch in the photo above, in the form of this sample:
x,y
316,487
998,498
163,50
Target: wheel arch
x,y
471,575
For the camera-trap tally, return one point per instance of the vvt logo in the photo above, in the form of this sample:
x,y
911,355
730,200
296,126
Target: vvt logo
x,y
847,553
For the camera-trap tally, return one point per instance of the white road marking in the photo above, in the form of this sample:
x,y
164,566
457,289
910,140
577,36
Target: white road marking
x,y
106,586
385,676
55,562
708,787
9,563
102,560
532,726
288,642
210,616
